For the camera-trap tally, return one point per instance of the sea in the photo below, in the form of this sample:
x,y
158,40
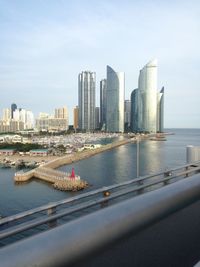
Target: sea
x,y
111,167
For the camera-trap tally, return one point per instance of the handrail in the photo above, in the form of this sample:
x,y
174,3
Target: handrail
x,y
97,231
30,224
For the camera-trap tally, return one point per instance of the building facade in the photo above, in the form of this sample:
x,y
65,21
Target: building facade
x,y
147,105
127,114
25,116
134,111
13,108
61,113
148,96
86,100
160,111
97,118
103,86
115,101
6,114
76,117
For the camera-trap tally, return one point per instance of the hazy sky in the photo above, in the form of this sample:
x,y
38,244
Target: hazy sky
x,y
45,44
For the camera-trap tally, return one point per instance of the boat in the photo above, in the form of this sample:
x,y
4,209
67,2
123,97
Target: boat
x,y
158,138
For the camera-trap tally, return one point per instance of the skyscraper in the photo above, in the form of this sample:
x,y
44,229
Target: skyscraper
x,y
103,84
127,114
134,110
148,98
13,108
115,101
160,111
86,100
97,118
147,105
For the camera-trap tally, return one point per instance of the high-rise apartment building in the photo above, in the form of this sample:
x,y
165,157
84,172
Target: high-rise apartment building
x,y
86,100
115,101
61,113
97,118
25,116
58,122
103,85
76,117
127,114
6,114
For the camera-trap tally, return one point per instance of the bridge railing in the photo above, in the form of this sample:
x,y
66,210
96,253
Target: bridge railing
x,y
91,199
85,238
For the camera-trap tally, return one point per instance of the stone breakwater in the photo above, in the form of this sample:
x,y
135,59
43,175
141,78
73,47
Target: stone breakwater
x,y
59,179
70,185
65,160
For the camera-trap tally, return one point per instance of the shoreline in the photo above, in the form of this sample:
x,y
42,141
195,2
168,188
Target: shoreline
x,y
58,161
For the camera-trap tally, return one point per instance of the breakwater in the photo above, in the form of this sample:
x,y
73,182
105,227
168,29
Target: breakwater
x,y
56,163
59,179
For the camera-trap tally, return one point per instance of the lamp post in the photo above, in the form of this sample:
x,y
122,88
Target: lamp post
x,y
138,157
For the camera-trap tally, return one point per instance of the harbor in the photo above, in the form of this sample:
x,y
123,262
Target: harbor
x,y
61,180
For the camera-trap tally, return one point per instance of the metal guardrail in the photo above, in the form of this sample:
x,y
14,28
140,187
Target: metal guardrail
x,y
79,239
15,224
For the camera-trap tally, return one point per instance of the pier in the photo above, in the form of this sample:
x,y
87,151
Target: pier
x,y
60,180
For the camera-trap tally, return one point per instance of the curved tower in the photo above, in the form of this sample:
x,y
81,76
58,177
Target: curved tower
x,y
115,101
147,85
160,111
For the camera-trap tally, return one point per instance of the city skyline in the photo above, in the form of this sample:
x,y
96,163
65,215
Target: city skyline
x,y
45,45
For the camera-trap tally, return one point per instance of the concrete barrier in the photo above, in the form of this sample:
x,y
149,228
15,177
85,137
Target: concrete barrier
x,y
193,154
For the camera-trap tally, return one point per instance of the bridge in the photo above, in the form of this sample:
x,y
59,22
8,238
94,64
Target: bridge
x,y
88,228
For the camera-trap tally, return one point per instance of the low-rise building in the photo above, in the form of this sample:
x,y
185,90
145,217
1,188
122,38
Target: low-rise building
x,y
39,152
7,151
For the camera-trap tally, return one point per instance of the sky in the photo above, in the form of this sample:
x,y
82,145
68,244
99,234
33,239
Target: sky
x,y
45,44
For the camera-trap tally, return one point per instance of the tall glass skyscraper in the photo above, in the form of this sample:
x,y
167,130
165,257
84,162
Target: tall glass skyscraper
x,y
127,114
160,111
86,100
103,85
134,111
147,86
147,105
115,101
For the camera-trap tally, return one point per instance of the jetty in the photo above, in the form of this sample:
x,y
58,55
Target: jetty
x,y
62,180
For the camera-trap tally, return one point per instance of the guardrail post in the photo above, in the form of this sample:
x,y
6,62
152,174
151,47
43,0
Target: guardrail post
x,y
50,212
187,174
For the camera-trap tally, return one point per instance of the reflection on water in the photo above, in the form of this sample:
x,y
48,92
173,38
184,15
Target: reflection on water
x,y
110,167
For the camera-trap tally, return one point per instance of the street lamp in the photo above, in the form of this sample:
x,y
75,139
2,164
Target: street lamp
x,y
138,157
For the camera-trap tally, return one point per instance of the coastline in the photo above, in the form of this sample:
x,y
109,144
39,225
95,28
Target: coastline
x,y
54,162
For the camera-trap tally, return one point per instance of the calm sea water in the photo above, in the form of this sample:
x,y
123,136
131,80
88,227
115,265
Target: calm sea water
x,y
110,167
